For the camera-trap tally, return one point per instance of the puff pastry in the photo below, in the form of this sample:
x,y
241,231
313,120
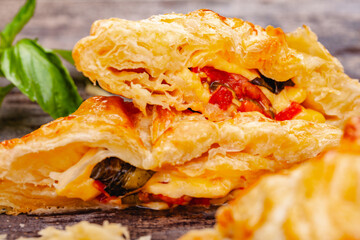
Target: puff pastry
x,y
218,66
316,200
84,230
184,157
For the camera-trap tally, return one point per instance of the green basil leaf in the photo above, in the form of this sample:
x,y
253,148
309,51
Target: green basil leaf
x,y
65,54
4,91
40,75
10,31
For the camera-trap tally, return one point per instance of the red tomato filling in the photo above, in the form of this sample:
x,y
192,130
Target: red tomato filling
x,y
289,112
222,97
243,89
251,106
184,200
148,197
104,197
200,202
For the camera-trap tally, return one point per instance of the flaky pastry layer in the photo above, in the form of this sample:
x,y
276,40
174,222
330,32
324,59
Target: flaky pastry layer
x,y
316,200
150,61
194,156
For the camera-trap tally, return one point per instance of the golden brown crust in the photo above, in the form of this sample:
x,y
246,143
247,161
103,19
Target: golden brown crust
x,y
149,60
145,60
26,163
316,199
330,90
100,122
182,145
16,198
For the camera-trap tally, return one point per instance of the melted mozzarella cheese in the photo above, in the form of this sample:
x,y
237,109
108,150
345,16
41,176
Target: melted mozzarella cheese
x,y
285,97
176,186
76,182
81,187
223,65
293,94
203,59
212,176
193,85
310,115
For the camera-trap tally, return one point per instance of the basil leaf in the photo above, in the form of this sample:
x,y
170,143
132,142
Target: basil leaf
x,y
4,91
65,54
1,74
40,75
10,31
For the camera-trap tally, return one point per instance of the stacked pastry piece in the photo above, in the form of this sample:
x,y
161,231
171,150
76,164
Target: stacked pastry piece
x,y
216,102
316,200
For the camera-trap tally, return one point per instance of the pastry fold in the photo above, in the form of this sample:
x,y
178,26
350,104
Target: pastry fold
x,y
316,199
163,60
187,156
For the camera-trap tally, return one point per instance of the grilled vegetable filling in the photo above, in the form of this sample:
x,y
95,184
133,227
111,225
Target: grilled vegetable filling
x,y
272,85
235,90
231,88
118,177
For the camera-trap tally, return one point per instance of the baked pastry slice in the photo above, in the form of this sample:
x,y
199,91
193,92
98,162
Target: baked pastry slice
x,y
109,154
316,200
218,66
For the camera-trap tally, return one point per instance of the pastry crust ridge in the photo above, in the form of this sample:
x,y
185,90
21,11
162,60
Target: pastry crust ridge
x,y
168,142
149,61
315,199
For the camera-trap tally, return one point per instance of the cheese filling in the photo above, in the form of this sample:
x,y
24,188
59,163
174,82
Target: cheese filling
x,y
99,176
75,182
226,85
233,88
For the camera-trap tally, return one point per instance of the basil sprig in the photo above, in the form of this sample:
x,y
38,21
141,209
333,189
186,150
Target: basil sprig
x,y
40,75
35,71
65,54
10,31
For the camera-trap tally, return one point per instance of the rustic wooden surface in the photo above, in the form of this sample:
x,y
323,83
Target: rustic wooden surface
x,y
168,224
59,24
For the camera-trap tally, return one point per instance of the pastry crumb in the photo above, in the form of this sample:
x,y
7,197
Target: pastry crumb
x,y
148,237
84,230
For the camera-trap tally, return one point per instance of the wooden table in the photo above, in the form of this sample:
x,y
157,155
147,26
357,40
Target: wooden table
x,y
59,24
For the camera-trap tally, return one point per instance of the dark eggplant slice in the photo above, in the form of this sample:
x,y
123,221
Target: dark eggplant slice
x,y
272,85
105,170
119,177
132,199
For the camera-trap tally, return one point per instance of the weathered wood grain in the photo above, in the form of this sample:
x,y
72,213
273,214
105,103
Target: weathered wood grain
x,y
60,24
163,225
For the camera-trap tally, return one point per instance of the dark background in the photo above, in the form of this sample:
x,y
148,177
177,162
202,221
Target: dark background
x,y
61,23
